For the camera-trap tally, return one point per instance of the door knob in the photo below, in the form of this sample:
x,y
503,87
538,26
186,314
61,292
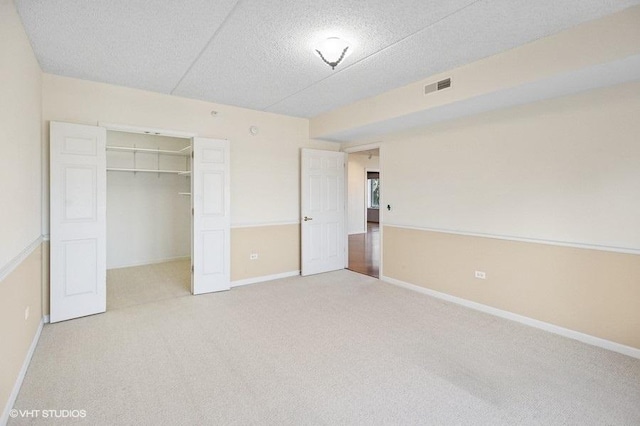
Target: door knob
x,y
307,218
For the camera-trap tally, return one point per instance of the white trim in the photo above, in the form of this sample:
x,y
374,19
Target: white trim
x,y
258,225
565,332
626,250
23,371
7,269
146,130
46,319
264,278
150,262
46,237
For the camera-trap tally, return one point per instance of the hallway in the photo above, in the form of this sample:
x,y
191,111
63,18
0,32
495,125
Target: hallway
x,y
364,251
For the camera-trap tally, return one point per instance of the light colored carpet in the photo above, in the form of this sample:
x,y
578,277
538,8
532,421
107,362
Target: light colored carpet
x,y
136,285
336,348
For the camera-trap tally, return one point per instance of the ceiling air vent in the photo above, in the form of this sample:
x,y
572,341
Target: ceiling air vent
x,y
434,87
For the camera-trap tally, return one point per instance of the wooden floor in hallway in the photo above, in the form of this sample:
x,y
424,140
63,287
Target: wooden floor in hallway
x,y
364,251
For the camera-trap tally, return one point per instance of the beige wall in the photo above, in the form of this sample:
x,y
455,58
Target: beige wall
x,y
590,291
277,247
600,41
20,190
265,169
555,175
19,290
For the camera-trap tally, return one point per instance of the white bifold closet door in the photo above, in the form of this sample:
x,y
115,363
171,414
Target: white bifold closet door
x,y
78,221
210,198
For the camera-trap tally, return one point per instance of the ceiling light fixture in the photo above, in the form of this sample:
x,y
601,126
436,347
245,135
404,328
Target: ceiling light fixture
x,y
333,50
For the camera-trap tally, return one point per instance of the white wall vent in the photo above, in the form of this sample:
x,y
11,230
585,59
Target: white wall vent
x,y
434,87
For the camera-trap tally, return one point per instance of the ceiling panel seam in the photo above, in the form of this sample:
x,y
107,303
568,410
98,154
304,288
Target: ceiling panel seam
x,y
206,46
361,60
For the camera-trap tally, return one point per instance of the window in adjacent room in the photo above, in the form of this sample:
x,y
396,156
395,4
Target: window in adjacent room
x,y
373,190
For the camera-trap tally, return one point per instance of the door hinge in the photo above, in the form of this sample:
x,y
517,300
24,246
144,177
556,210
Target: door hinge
x,y
192,154
192,270
192,212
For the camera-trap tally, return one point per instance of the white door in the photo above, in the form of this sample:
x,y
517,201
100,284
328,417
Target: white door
x,y
210,195
78,220
323,211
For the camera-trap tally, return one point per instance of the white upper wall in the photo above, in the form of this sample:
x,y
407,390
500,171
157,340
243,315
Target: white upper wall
x,y
564,170
20,117
265,171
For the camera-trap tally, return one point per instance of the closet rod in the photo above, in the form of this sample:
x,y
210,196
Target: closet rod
x,y
181,153
117,169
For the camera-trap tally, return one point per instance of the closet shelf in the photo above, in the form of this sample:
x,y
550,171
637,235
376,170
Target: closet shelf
x,y
184,152
185,173
117,169
188,194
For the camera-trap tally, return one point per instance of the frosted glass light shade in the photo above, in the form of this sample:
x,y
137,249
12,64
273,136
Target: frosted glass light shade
x,y
333,50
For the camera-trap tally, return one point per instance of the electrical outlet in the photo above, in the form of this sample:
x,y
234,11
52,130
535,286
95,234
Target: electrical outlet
x,y
26,313
253,256
481,275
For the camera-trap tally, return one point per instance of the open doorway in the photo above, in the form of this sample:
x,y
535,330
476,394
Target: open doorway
x,y
148,218
363,194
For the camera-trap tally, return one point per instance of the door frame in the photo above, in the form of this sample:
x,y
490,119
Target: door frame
x,y
354,150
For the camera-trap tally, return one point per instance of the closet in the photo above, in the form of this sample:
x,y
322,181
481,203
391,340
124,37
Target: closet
x,y
148,218
122,197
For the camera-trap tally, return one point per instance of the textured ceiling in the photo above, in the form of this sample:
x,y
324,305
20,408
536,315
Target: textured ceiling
x,y
568,83
258,53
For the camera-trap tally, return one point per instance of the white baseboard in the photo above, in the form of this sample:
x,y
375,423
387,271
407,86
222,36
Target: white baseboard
x,y
150,262
572,334
46,319
23,371
264,278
